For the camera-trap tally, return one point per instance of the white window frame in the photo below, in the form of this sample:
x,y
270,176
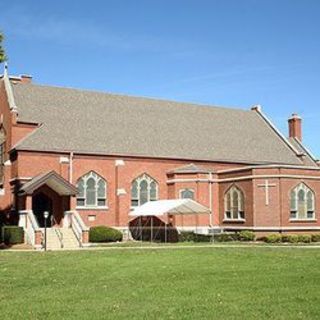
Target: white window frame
x,y
294,211
240,206
97,178
149,180
181,191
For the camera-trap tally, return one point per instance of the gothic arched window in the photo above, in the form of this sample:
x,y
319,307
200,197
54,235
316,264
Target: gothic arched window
x,y
143,189
234,204
92,191
302,203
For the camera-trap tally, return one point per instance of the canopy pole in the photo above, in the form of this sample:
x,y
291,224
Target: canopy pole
x,y
128,231
151,228
197,228
140,228
165,232
182,223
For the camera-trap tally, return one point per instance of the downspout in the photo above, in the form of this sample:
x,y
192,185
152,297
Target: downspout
x,y
210,199
281,202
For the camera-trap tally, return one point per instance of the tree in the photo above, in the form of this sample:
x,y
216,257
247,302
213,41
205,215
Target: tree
x,y
3,56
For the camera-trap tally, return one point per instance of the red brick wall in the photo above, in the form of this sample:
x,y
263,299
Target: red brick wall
x,y
6,198
29,164
20,130
7,117
257,213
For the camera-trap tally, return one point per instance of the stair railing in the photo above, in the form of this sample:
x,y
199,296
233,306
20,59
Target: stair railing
x,y
34,234
58,232
78,227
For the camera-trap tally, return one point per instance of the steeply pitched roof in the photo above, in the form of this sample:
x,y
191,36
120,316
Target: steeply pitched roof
x,y
53,180
308,158
92,122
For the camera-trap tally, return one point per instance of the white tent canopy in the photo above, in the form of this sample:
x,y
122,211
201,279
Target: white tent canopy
x,y
170,207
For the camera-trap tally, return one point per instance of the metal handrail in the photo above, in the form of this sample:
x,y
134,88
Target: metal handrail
x,y
58,232
76,225
33,220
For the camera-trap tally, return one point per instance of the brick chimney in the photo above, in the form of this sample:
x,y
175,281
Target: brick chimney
x,y
295,127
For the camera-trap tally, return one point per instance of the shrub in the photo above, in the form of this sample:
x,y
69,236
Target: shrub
x,y
202,237
190,236
285,238
273,238
186,236
224,237
12,234
246,235
293,238
305,238
315,237
104,234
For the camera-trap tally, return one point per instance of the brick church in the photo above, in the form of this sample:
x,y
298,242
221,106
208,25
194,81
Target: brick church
x,y
90,158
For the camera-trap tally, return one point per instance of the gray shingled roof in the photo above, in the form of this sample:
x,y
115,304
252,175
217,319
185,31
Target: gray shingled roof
x,y
53,179
191,168
307,158
93,122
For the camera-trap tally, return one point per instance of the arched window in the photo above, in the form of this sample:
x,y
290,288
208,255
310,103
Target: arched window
x,y
187,194
143,189
234,204
302,203
91,191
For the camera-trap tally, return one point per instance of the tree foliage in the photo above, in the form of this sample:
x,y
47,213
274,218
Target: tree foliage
x,y
3,56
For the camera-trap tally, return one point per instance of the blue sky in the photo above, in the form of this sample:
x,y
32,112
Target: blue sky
x,y
227,52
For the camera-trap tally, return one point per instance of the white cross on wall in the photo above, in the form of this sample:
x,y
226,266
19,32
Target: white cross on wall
x,y
266,186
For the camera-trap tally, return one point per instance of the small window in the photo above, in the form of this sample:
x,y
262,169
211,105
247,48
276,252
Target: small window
x,y
187,194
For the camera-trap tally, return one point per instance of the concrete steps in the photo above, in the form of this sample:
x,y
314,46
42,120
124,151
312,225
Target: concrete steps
x,y
69,240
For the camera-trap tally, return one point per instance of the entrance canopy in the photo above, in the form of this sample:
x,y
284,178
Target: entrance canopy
x,y
53,180
170,207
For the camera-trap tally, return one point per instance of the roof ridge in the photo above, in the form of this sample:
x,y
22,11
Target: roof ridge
x,y
277,132
125,95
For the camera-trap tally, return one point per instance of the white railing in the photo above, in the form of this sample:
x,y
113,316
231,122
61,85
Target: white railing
x,y
30,225
60,236
77,225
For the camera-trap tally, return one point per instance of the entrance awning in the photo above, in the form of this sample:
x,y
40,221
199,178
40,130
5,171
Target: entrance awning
x,y
170,207
53,180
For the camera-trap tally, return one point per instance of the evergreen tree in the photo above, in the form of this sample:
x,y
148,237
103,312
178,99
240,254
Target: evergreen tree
x,y
2,52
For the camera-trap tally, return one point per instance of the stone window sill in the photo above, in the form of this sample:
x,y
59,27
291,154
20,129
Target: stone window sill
x,y
303,220
234,220
92,208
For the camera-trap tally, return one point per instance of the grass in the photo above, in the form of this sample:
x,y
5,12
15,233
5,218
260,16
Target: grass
x,y
139,244
199,283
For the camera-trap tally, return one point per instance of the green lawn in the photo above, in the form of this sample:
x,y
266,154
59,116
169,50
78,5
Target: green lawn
x,y
198,283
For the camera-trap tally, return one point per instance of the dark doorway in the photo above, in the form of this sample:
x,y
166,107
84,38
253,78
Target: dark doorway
x,y
40,204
